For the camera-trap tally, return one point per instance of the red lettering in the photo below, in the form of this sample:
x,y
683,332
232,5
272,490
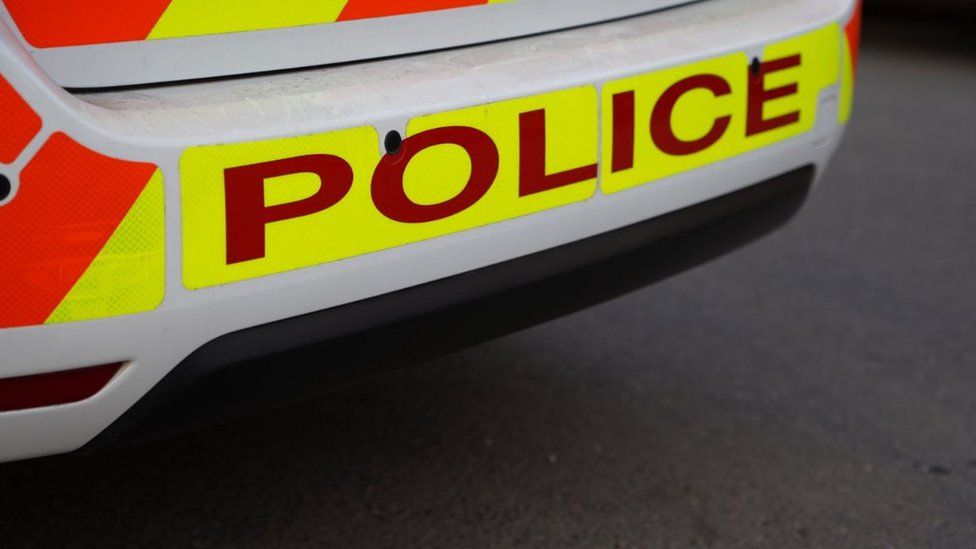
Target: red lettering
x,y
623,132
247,214
390,197
532,158
756,121
662,129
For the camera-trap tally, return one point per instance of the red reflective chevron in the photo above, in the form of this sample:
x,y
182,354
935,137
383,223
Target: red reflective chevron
x,y
854,33
364,9
20,123
53,23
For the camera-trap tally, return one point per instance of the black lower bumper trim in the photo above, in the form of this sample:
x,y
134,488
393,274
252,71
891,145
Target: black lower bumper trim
x,y
309,355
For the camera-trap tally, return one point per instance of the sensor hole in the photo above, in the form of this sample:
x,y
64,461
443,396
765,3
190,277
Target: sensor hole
x,y
5,187
393,142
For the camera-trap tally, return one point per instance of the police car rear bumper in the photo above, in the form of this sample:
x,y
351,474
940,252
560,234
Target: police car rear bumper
x,y
147,132
305,356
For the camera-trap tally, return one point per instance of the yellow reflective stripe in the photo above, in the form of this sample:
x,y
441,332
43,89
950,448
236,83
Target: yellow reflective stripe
x,y
847,85
697,111
355,226
202,17
128,275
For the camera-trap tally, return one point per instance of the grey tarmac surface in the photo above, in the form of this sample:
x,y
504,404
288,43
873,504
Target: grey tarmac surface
x,y
816,389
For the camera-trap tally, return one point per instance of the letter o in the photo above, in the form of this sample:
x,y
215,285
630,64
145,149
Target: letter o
x,y
391,198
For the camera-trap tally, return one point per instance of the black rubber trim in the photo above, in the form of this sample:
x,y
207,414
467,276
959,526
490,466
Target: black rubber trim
x,y
305,356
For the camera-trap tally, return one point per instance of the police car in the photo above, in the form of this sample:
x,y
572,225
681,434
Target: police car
x,y
206,207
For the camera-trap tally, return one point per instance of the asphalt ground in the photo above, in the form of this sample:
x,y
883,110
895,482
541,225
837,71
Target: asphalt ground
x,y
816,389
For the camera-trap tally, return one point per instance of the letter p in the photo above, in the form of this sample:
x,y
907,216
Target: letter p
x,y
247,214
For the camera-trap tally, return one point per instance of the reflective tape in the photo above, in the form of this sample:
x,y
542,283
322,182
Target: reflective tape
x,y
20,123
56,23
366,9
195,18
705,121
127,275
260,208
852,43
83,236
438,183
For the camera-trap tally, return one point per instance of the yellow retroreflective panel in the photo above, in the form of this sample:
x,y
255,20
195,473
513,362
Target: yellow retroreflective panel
x,y
255,209
203,17
267,207
676,120
570,144
847,86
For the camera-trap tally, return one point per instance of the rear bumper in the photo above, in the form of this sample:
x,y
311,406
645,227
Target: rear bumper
x,y
151,129
309,355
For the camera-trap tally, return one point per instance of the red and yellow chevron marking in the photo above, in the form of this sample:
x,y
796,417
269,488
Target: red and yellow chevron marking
x,y
852,44
853,31
365,9
55,23
83,236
